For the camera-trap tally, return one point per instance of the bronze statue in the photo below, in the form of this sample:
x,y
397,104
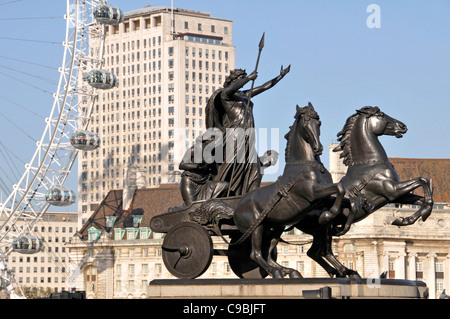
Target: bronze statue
x,y
304,197
196,180
225,198
231,110
305,187
370,178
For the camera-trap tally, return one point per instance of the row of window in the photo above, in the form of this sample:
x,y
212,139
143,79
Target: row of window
x,y
130,116
201,27
42,270
157,41
28,259
44,229
34,280
157,54
131,45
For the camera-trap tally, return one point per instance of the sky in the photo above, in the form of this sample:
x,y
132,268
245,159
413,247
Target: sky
x,y
341,60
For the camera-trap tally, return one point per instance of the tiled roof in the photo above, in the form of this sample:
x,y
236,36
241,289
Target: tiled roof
x,y
438,170
147,202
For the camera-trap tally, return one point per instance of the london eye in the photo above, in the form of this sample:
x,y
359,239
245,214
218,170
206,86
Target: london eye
x,y
66,132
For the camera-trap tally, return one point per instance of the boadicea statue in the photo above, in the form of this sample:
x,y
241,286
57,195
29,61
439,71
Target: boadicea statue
x,y
224,198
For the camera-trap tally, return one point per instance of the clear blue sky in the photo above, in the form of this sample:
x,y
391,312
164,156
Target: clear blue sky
x,y
338,64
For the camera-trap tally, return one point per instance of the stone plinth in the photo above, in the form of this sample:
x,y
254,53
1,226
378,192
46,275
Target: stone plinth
x,y
287,288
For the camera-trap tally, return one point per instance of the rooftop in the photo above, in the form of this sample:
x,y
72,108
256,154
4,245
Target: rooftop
x,y
437,170
156,9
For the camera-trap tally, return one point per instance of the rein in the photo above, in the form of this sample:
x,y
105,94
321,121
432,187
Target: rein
x,y
316,164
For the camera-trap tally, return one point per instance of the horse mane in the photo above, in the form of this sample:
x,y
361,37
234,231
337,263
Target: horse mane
x,y
345,134
307,111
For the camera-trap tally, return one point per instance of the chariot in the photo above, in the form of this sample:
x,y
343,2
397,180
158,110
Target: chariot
x,y
188,249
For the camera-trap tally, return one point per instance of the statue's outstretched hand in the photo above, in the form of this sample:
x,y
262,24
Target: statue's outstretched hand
x,y
283,72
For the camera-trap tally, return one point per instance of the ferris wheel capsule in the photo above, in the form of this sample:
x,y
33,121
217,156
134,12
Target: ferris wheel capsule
x,y
101,79
108,14
27,244
85,140
60,196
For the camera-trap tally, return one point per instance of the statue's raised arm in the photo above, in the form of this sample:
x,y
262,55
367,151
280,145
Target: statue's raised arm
x,y
269,84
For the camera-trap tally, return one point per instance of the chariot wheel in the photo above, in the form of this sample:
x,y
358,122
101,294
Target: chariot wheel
x,y
187,250
241,263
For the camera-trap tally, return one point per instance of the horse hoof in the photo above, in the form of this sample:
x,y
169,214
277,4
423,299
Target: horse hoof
x,y
400,221
426,215
355,275
324,218
277,274
342,232
295,274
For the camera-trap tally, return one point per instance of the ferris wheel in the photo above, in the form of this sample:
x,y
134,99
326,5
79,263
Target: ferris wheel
x,y
66,131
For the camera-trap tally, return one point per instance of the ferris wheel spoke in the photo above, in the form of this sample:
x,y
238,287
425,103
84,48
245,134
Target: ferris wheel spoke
x,y
65,131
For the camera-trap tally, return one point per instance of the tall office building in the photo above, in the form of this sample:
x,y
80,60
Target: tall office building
x,y
168,63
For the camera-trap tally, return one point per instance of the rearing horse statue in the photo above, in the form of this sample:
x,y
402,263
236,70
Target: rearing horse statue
x,y
306,185
370,178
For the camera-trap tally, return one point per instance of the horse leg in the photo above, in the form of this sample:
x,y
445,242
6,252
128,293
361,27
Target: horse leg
x,y
395,190
351,212
321,191
284,270
424,210
329,256
316,250
257,256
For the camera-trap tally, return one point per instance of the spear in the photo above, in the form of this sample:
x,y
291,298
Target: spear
x,y
261,46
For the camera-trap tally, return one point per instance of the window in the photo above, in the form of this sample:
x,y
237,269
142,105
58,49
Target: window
x,y
118,233
419,269
131,269
91,279
199,27
131,286
301,266
439,269
94,233
158,269
391,268
144,232
131,233
145,269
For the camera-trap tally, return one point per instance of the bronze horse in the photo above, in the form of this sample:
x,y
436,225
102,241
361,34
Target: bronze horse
x,y
371,180
370,183
302,196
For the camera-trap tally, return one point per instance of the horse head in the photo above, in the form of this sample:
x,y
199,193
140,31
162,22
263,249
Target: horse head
x,y
382,124
309,121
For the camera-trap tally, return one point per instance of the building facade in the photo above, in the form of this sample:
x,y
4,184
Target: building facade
x,y
47,270
168,63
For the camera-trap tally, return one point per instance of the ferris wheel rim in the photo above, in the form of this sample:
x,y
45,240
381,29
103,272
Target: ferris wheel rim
x,y
76,23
